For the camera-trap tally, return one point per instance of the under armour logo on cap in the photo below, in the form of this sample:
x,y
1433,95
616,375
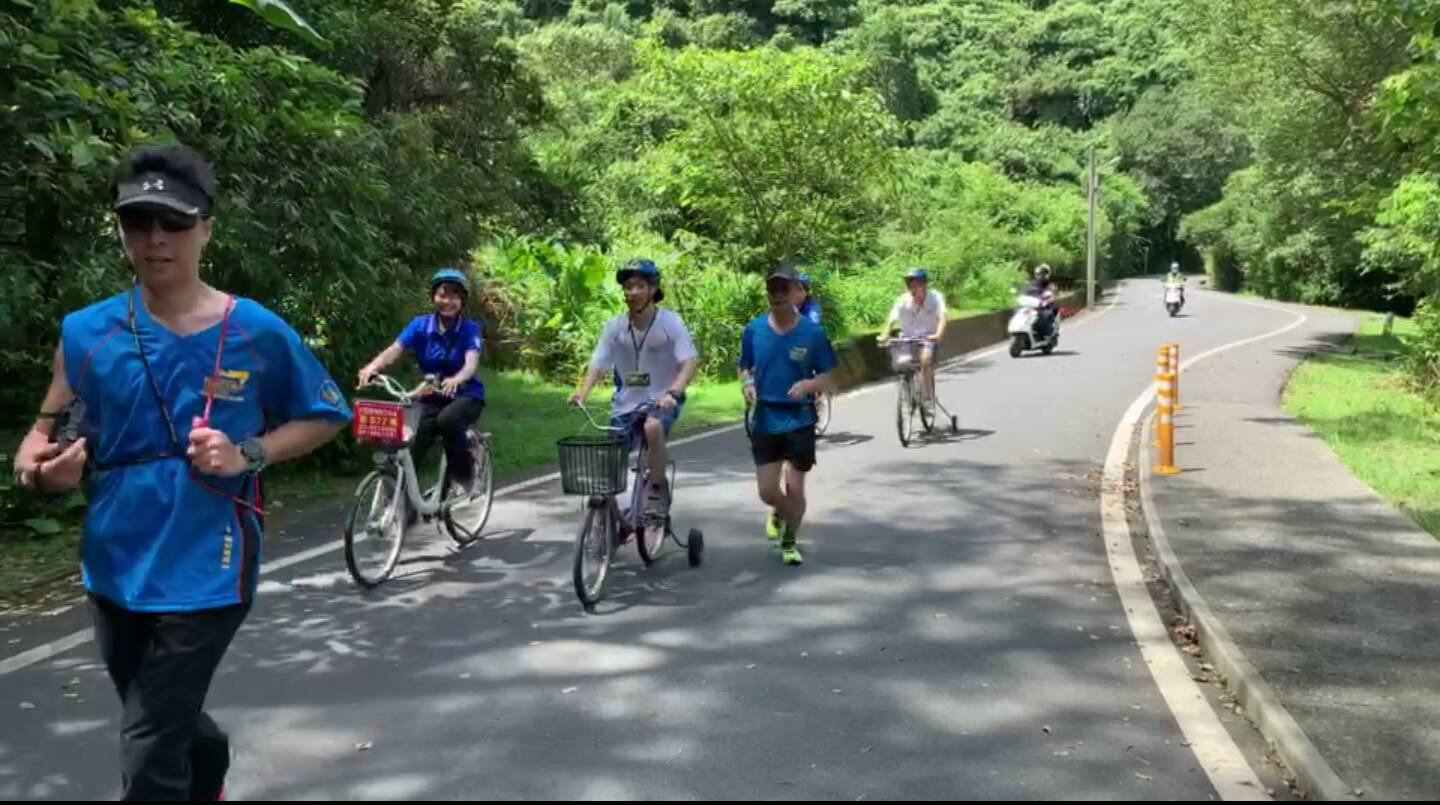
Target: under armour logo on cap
x,y
158,189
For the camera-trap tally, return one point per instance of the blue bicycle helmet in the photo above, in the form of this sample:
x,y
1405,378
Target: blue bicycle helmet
x,y
644,268
917,274
804,280
452,275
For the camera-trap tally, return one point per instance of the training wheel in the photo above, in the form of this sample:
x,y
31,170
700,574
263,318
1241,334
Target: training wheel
x,y
695,545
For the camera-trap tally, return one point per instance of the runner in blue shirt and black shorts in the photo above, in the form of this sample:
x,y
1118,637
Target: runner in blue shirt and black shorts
x,y
785,359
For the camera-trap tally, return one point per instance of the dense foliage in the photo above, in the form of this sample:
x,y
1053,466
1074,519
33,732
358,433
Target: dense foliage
x,y
361,143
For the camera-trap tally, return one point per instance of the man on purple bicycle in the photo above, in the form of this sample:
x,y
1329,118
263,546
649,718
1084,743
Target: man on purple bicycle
x,y
651,357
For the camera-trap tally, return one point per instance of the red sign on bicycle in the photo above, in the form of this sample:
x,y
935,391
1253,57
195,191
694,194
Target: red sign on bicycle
x,y
379,422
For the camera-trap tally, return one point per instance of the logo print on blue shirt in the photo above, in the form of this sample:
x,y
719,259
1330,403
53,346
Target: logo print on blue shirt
x,y
228,385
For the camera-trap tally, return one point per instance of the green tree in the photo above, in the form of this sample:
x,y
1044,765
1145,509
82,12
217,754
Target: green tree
x,y
785,152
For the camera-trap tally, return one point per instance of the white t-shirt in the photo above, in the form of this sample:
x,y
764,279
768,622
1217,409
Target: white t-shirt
x,y
647,360
918,321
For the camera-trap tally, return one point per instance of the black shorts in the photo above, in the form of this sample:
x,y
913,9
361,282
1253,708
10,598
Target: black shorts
x,y
796,447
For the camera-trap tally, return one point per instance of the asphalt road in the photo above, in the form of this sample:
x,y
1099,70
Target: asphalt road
x,y
954,633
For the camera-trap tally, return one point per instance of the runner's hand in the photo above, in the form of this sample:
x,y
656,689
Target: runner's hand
x,y
212,453
53,470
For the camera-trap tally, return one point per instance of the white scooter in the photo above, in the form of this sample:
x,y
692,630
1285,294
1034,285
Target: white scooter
x,y
1022,329
1174,297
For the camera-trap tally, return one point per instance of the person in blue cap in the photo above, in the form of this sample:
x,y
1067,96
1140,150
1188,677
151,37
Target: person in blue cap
x,y
447,344
920,313
805,302
648,352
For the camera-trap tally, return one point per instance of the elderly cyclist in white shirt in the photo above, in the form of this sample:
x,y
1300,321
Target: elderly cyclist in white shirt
x,y
920,313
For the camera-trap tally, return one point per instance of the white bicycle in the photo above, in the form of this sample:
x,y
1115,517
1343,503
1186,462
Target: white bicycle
x,y
388,497
910,401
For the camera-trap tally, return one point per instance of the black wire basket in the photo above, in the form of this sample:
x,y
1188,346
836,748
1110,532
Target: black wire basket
x,y
592,464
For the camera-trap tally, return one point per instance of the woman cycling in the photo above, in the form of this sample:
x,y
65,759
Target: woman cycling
x,y
447,345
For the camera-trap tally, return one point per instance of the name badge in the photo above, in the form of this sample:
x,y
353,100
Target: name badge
x,y
637,379
799,353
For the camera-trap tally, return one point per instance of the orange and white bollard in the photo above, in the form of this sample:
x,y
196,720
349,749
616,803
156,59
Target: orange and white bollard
x,y
1174,355
1162,367
1165,425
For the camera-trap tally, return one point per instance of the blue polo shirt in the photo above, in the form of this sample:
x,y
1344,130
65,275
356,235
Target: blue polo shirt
x,y
441,352
158,536
779,362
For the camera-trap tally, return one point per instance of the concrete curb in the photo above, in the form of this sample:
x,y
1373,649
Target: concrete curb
x,y
1313,774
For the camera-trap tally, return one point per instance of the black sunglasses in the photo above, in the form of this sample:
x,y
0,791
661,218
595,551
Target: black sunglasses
x,y
144,220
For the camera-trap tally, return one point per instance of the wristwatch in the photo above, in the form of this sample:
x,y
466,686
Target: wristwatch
x,y
254,454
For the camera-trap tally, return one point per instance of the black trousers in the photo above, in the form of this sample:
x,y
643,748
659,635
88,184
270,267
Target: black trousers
x,y
448,418
1047,320
162,664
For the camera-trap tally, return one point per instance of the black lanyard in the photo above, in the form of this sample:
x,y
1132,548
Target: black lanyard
x,y
212,382
150,375
644,337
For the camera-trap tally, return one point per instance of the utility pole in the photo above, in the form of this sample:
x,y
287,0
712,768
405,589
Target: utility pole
x,y
1093,190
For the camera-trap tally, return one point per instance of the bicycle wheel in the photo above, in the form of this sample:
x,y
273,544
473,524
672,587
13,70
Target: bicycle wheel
x,y
593,549
466,516
824,406
375,527
652,542
905,409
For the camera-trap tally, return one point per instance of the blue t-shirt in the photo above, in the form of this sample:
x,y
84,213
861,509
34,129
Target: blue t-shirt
x,y
442,352
779,362
156,539
811,309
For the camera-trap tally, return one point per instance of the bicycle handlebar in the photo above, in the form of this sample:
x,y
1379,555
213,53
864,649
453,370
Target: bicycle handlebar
x,y
591,417
651,403
906,340
399,392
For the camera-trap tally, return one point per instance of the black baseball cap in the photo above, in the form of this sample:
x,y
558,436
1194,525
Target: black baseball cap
x,y
784,272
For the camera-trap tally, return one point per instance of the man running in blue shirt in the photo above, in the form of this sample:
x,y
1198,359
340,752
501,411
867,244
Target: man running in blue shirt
x,y
784,364
182,394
